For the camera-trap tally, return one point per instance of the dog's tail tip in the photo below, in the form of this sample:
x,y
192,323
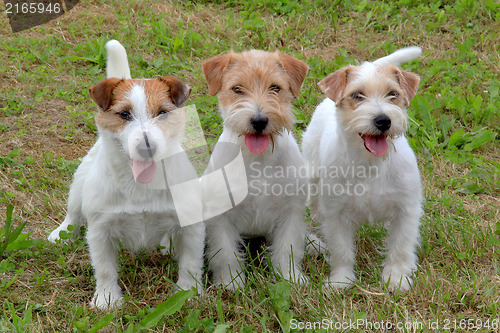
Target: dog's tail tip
x,y
113,43
117,62
400,56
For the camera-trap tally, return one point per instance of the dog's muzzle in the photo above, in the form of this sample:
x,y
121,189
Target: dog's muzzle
x,y
145,169
259,123
146,149
382,123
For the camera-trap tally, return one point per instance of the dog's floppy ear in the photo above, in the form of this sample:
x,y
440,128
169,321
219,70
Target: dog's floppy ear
x,y
179,91
102,92
409,83
213,70
297,71
334,84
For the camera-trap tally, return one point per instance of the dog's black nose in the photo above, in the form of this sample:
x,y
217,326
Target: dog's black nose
x,y
259,122
146,149
382,123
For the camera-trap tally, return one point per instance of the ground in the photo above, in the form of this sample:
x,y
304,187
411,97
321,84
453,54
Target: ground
x,y
46,126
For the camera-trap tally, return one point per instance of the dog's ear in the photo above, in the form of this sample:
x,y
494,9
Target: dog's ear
x,y
334,84
102,93
178,91
409,83
297,71
213,70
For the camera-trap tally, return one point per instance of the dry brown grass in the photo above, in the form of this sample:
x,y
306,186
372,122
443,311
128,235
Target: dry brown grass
x,y
458,276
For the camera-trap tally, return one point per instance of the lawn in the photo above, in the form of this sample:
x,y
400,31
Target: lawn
x,y
47,126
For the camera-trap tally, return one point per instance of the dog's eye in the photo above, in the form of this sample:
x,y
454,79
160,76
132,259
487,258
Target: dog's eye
x,y
162,112
238,90
393,94
275,88
358,96
125,115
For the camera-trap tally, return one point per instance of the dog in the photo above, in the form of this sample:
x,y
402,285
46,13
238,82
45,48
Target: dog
x,y
255,91
139,124
361,168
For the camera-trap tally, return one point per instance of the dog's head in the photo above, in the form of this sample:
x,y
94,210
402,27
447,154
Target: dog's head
x,y
143,118
255,89
372,102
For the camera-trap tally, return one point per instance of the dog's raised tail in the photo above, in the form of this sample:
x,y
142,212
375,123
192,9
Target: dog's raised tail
x,y
400,56
117,62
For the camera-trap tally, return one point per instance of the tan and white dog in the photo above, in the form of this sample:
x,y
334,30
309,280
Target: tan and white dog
x,y
255,91
139,124
361,167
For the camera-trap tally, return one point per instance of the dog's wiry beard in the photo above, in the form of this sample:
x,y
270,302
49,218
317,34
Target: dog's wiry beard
x,y
360,121
239,114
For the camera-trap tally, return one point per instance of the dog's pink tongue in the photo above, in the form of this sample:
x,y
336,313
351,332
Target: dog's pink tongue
x,y
376,144
257,143
144,171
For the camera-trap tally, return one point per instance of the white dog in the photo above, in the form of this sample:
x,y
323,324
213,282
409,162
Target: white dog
x,y
361,167
256,90
140,125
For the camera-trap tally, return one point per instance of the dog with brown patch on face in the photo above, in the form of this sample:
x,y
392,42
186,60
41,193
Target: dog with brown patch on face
x,y
255,91
140,127
361,167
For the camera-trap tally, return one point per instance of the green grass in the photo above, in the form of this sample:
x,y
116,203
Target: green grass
x,y
46,126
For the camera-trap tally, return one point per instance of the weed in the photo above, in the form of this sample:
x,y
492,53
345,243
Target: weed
x,y
47,126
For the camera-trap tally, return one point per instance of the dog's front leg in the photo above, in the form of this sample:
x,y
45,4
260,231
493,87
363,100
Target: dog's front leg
x,y
225,258
74,216
288,246
402,242
104,260
188,245
339,235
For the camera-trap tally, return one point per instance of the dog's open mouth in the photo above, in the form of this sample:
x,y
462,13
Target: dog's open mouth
x,y
257,143
375,144
144,171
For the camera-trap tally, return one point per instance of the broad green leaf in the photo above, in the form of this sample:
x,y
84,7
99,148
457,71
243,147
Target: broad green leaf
x,y
480,139
167,308
22,244
221,328
279,294
477,102
103,322
455,138
220,313
470,188
15,234
422,107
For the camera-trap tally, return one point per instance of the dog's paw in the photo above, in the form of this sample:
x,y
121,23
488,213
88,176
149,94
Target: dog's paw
x,y
300,278
187,284
233,282
54,236
397,281
106,300
297,276
340,280
315,246
165,244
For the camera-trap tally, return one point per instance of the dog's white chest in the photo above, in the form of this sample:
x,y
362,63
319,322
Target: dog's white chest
x,y
142,230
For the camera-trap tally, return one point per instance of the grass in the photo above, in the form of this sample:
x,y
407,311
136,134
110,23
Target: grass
x,y
46,126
